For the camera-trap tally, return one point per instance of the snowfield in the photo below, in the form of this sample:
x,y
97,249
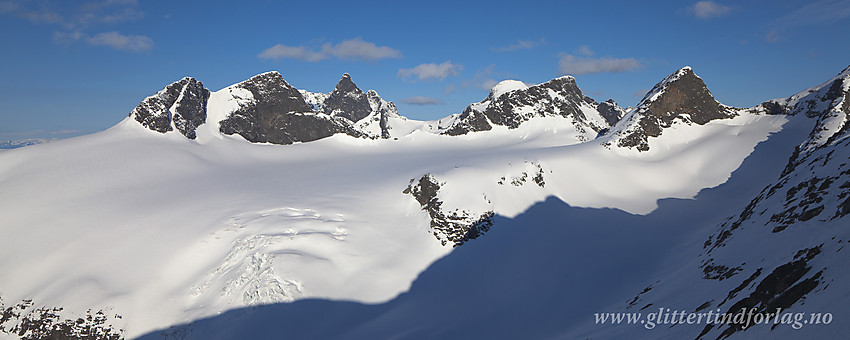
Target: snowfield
x,y
164,230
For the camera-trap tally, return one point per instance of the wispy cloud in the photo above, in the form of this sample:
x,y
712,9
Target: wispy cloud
x,y
114,40
42,15
818,12
421,101
358,49
280,51
118,41
709,9
520,45
483,79
772,37
578,65
430,71
8,6
78,17
353,49
76,20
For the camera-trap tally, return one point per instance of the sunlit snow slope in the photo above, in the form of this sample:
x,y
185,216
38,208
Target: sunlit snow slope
x,y
162,229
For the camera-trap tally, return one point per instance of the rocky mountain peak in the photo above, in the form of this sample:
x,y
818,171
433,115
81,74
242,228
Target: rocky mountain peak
x,y
347,101
346,85
682,95
182,105
278,114
270,83
511,103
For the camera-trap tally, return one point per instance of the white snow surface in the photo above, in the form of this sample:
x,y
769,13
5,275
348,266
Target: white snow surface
x,y
164,230
506,86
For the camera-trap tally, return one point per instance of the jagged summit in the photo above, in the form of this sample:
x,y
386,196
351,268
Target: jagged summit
x,y
682,95
347,101
180,106
345,84
277,113
683,92
267,109
512,103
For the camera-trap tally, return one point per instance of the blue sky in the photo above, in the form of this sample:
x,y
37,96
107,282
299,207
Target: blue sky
x,y
75,67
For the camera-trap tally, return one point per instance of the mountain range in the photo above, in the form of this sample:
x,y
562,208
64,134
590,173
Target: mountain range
x,y
263,210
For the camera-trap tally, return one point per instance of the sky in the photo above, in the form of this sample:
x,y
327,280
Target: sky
x,y
76,67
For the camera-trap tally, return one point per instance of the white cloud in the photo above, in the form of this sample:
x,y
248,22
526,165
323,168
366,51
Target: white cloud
x,y
709,9
570,64
431,71
118,41
420,100
360,50
520,45
353,49
292,52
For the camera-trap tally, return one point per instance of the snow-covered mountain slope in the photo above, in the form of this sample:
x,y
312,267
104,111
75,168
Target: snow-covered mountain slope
x,y
784,248
164,230
540,275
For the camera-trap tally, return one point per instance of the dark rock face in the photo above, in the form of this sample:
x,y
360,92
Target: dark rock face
x,y
610,111
188,99
279,115
347,101
774,108
25,321
510,109
682,95
469,121
687,95
191,108
456,226
780,289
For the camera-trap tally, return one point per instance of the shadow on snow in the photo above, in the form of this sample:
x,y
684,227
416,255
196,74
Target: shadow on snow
x,y
537,275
